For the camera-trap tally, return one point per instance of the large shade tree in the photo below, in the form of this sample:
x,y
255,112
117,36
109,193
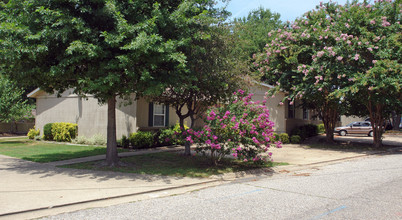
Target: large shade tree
x,y
106,48
251,31
326,58
371,45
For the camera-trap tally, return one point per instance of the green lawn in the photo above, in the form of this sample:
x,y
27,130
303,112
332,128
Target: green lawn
x,y
43,152
173,164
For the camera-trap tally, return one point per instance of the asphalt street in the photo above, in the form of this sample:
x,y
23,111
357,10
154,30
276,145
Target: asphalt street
x,y
363,188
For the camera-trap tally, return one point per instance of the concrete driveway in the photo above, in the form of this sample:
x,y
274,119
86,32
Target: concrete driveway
x,y
390,140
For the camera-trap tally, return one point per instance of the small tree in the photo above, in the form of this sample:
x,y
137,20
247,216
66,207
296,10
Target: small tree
x,y
211,73
241,128
12,106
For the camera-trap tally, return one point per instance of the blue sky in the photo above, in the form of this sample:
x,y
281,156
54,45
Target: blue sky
x,y
288,9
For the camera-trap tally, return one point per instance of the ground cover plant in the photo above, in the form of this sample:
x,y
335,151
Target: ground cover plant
x,y
43,152
173,164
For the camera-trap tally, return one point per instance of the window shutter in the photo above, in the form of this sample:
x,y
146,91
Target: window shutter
x,y
151,114
167,116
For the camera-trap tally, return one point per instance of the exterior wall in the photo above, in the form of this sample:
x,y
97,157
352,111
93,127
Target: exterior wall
x,y
276,111
87,113
298,120
143,116
349,119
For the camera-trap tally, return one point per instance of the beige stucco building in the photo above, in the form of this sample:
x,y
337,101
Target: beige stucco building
x,y
143,115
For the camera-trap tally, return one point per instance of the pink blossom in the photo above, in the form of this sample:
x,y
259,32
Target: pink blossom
x,y
280,103
339,58
356,56
320,89
372,22
370,49
374,61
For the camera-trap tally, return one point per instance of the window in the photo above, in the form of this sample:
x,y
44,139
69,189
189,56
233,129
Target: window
x,y
291,110
159,115
305,114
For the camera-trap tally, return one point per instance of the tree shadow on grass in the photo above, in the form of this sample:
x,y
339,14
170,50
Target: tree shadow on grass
x,y
29,168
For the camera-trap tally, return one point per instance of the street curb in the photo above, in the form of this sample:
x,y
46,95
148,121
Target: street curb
x,y
107,198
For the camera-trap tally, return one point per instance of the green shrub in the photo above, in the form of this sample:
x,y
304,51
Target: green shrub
x,y
321,129
32,133
305,131
80,140
295,139
299,131
63,131
97,139
284,138
142,139
125,142
276,137
47,132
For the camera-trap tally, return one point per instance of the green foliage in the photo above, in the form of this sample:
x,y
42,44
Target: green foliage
x,y
275,136
295,139
142,139
241,128
32,133
104,48
125,142
47,132
305,131
284,138
321,128
64,132
12,106
96,139
251,31
339,59
171,135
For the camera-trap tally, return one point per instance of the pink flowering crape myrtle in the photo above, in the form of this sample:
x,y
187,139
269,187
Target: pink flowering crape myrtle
x,y
240,128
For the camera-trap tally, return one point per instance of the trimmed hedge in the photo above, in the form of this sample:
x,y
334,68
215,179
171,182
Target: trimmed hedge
x,y
284,138
305,131
142,139
47,132
295,139
64,132
32,133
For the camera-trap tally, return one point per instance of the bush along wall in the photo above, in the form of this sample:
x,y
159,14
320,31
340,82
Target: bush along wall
x,y
305,131
64,132
47,132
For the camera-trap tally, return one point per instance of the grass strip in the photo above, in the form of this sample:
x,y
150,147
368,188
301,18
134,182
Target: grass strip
x,y
42,152
174,164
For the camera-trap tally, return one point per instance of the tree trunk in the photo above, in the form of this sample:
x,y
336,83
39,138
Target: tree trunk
x,y
112,158
377,123
329,118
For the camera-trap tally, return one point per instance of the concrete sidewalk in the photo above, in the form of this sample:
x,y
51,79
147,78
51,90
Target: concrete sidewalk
x,y
31,190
